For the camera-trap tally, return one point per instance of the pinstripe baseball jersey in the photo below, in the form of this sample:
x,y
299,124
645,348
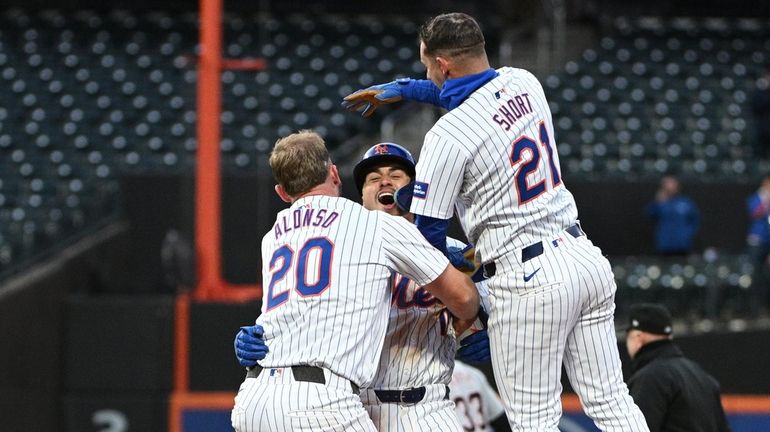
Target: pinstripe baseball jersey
x,y
327,265
476,402
417,350
493,159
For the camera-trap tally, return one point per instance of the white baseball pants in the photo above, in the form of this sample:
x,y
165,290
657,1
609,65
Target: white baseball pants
x,y
561,314
433,413
275,402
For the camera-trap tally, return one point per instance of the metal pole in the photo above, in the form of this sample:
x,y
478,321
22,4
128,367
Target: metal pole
x,y
207,172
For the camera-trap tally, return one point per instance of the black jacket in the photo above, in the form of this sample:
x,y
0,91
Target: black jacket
x,y
674,393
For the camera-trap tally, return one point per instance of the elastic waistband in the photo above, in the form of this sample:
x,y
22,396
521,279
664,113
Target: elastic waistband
x,y
303,373
430,393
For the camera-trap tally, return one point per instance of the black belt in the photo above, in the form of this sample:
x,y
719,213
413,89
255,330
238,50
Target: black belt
x,y
411,396
301,373
532,251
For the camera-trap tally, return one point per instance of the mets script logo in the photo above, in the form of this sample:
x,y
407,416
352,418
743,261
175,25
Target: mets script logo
x,y
407,295
381,149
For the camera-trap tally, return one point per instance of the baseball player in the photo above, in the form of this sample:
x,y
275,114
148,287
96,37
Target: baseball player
x,y
410,390
477,405
327,268
492,159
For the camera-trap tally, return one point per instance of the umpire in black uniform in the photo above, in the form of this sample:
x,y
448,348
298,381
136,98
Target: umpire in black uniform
x,y
672,391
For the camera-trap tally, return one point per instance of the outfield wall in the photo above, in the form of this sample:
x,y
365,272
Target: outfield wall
x,y
612,213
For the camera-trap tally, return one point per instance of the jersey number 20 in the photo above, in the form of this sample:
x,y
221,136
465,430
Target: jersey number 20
x,y
528,192
283,260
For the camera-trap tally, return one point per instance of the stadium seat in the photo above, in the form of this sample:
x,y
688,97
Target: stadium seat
x,y
686,75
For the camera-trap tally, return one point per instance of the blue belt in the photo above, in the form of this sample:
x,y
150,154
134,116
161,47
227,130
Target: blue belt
x,y
532,251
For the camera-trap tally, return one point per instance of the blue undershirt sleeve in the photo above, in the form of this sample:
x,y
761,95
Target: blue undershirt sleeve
x,y
434,230
420,91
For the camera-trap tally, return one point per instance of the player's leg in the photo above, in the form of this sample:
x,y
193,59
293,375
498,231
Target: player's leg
x,y
312,407
434,413
326,408
384,416
255,406
249,407
279,404
528,327
430,416
591,358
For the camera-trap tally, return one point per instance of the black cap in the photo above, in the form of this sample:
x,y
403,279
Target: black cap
x,y
650,318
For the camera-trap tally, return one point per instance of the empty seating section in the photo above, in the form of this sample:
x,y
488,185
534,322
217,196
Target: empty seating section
x,y
86,96
661,96
693,287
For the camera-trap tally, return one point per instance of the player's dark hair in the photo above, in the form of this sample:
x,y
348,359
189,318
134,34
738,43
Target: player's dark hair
x,y
300,162
452,34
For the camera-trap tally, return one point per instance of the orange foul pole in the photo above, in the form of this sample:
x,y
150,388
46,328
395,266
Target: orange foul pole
x,y
208,179
207,175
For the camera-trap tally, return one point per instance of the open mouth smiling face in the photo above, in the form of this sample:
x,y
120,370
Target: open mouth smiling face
x,y
379,189
386,199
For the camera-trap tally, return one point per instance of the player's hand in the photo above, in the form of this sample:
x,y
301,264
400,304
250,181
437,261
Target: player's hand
x,y
464,259
476,272
249,345
462,328
370,98
474,348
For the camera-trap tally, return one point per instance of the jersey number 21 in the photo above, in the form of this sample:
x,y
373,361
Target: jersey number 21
x,y
527,192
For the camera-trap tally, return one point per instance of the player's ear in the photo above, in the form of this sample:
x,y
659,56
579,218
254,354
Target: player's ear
x,y
443,65
335,175
282,194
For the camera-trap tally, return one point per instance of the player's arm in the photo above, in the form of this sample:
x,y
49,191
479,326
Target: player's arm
x,y
370,98
439,177
433,229
457,292
408,253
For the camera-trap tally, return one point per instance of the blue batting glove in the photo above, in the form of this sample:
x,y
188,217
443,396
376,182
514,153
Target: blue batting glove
x,y
370,98
249,345
474,348
403,196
